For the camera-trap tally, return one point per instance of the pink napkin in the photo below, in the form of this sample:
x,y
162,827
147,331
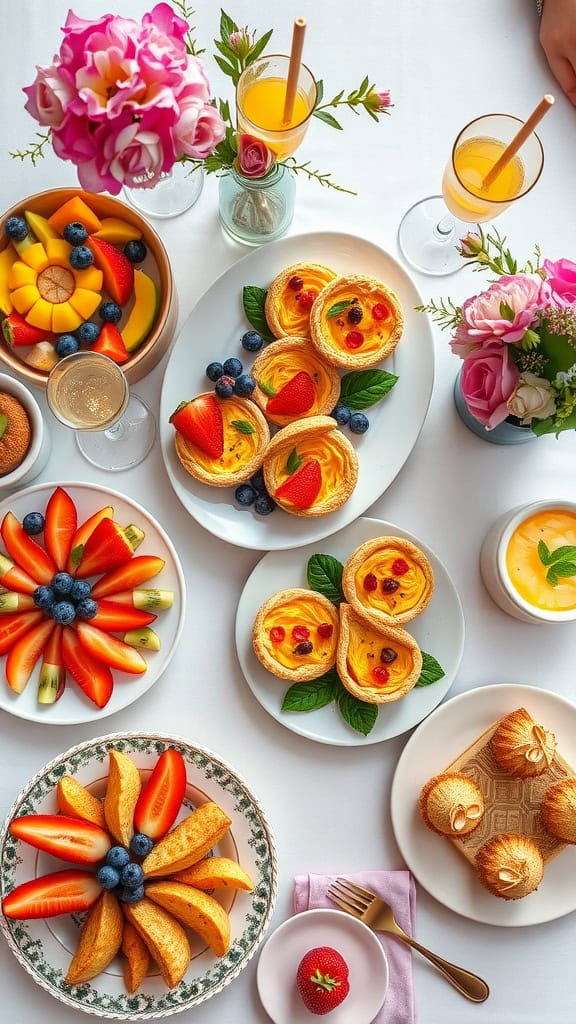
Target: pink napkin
x,y
398,889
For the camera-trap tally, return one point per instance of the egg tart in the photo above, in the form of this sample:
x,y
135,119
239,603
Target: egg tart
x,y
220,441
15,433
356,322
310,467
388,581
451,804
510,866
376,665
292,382
295,634
522,747
291,295
559,810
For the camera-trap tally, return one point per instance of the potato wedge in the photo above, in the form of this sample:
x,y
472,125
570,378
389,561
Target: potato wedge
x,y
189,842
121,796
215,873
137,960
165,939
99,942
75,800
196,909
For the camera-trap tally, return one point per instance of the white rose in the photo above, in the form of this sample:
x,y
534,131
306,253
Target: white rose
x,y
533,398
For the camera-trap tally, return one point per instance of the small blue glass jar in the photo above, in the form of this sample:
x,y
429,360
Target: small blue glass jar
x,y
507,432
257,210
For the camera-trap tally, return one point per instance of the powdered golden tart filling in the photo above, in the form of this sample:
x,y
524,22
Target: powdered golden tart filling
x,y
364,654
293,315
528,574
382,567
332,459
239,448
282,368
373,330
306,614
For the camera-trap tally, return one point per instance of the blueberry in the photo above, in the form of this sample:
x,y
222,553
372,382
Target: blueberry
x,y
75,233
132,895
16,228
63,582
81,257
110,312
264,505
233,367
245,385
341,413
359,423
66,345
44,598
224,387
86,608
117,857
141,844
214,371
252,341
257,482
33,523
245,495
108,877
135,251
131,876
64,613
80,589
88,332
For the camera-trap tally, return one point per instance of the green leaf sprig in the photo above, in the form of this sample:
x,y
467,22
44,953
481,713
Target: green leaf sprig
x,y
242,426
253,302
362,388
561,562
324,575
293,462
364,97
431,672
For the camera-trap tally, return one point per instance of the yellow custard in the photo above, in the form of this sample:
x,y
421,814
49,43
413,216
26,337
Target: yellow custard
x,y
364,655
239,447
372,332
544,585
304,613
294,316
412,584
327,452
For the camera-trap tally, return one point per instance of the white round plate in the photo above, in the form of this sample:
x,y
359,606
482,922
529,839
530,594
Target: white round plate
x,y
45,947
433,860
439,631
73,706
280,957
213,331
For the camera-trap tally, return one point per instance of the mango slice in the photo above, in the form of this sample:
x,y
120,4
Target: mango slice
x,y
188,842
197,910
99,942
165,939
121,796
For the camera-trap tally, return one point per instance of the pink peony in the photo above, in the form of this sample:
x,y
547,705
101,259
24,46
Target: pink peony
x,y
562,280
254,157
48,96
488,380
505,310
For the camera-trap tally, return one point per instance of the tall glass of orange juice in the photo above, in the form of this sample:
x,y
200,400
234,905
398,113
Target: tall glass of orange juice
x,y
260,99
430,230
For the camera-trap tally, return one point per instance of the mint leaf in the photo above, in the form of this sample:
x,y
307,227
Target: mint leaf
x,y
565,553
431,672
294,462
313,694
362,388
552,578
357,713
544,553
243,426
564,569
338,308
266,388
324,575
76,554
3,424
253,299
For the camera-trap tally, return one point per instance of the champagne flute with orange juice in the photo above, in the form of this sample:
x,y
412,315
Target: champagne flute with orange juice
x,y
261,104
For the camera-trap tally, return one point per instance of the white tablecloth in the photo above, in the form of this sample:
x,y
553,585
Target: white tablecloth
x,y
446,61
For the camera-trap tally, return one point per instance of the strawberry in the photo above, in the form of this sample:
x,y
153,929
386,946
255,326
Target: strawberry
x,y
200,421
60,526
138,570
83,532
322,979
12,627
14,578
111,343
161,797
107,547
295,398
93,678
69,838
117,618
24,654
109,650
17,331
52,672
116,267
62,892
32,558
302,488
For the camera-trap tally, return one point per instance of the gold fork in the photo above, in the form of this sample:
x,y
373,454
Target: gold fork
x,y
374,912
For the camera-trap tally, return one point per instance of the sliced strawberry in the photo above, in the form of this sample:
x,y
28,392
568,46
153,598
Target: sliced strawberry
x,y
83,532
17,331
63,892
295,398
24,654
111,343
23,550
12,627
116,267
14,578
71,839
161,798
94,678
303,487
117,618
107,547
109,650
138,570
60,526
200,421
52,672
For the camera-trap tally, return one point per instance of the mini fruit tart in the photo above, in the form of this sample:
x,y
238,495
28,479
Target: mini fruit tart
x,y
310,467
356,322
388,581
295,634
292,382
220,441
376,665
291,295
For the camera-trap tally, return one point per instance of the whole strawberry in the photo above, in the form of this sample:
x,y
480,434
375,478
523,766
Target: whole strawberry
x,y
322,979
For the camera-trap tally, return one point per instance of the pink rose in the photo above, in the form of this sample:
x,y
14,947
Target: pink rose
x,y
488,380
48,96
505,310
254,157
562,280
199,128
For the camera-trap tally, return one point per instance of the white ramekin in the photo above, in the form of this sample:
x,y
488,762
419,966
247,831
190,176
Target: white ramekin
x,y
39,450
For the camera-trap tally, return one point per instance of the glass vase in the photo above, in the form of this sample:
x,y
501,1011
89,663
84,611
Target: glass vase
x,y
257,210
510,431
175,192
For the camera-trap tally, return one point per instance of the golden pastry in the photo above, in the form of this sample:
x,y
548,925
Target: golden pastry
x,y
510,866
388,581
220,441
376,665
559,810
295,634
292,381
356,322
452,804
310,467
522,747
290,297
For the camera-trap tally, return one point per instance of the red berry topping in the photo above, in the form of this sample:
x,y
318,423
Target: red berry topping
x,y
300,633
370,582
379,311
325,630
296,283
306,299
277,634
354,339
389,586
400,567
381,674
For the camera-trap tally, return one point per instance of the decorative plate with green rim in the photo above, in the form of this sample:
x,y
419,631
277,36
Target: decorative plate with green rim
x,y
45,946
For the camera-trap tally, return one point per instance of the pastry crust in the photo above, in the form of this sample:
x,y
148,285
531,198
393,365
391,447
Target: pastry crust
x,y
324,649
278,360
404,603
17,435
317,437
380,337
510,866
521,747
451,804
194,462
283,315
559,810
390,638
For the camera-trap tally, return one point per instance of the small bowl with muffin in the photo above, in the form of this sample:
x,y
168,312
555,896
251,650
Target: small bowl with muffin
x,y
24,439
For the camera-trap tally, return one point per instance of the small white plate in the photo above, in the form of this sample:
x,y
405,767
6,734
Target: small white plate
x,y
280,957
213,331
433,860
439,631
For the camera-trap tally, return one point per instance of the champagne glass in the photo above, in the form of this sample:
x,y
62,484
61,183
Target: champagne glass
x,y
89,392
261,103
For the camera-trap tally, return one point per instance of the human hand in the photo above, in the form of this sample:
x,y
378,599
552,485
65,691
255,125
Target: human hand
x,y
558,39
